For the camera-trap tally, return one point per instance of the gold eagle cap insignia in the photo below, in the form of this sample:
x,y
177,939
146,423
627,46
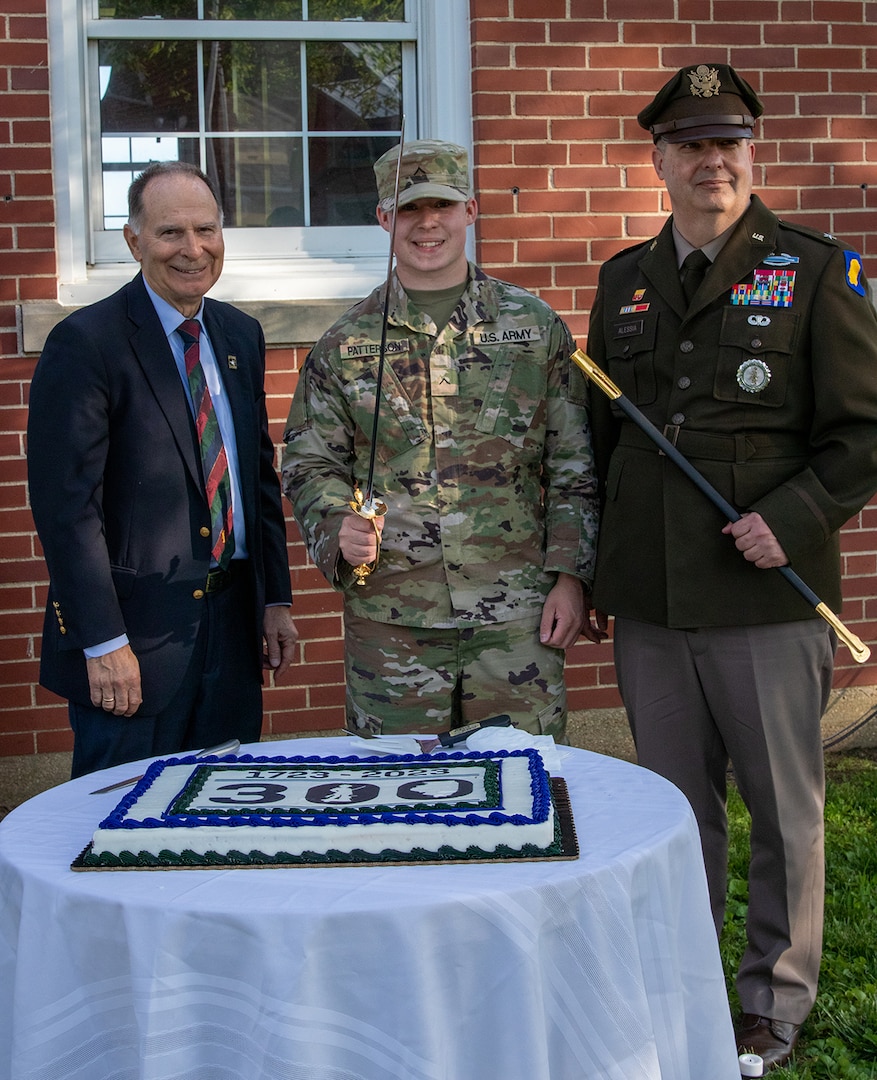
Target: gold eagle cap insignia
x,y
704,81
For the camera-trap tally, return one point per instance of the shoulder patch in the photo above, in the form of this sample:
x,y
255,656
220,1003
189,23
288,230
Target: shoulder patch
x,y
853,261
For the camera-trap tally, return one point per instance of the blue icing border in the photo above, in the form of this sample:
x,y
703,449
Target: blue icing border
x,y
539,787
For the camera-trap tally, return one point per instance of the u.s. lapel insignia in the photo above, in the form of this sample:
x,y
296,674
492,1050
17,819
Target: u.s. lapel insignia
x,y
232,362
854,272
753,376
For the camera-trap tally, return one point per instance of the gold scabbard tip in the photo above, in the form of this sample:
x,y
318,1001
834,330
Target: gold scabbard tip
x,y
858,649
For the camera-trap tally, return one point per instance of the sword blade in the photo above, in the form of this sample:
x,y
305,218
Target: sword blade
x,y
368,490
229,747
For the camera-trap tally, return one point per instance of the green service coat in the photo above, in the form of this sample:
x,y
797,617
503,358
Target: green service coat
x,y
796,442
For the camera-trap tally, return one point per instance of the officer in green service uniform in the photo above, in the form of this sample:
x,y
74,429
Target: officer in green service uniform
x,y
759,361
482,458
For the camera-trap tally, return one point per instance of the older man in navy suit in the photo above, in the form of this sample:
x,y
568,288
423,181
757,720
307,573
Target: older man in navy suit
x,y
156,499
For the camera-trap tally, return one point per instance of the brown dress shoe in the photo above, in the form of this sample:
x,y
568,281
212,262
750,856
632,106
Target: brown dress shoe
x,y
772,1040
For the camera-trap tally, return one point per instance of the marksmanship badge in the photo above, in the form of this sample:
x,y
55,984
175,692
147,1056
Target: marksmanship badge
x,y
753,376
704,81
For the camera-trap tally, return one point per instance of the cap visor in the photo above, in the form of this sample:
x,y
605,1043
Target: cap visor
x,y
425,191
708,131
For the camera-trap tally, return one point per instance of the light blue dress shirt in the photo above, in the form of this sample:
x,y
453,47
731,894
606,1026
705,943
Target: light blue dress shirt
x,y
170,319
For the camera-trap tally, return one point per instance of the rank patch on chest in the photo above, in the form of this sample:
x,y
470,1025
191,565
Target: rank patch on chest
x,y
771,288
366,349
508,335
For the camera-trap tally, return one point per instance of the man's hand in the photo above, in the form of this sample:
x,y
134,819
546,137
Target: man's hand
x,y
595,625
358,540
280,635
114,681
758,544
563,613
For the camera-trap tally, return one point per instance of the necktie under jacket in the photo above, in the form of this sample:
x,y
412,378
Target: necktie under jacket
x,y
217,482
694,267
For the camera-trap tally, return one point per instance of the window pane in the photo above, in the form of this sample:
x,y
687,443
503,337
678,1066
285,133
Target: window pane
x,y
252,85
124,158
253,9
150,86
354,85
145,9
317,10
343,189
367,10
260,180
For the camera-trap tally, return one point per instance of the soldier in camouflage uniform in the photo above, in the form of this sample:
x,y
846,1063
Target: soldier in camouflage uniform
x,y
483,461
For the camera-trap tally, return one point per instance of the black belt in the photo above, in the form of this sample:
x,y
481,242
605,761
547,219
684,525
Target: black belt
x,y
220,580
702,444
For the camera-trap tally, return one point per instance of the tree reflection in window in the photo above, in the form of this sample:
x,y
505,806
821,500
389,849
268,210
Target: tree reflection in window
x,y
284,150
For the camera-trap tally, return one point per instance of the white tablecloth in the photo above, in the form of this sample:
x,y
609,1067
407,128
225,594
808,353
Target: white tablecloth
x,y
602,968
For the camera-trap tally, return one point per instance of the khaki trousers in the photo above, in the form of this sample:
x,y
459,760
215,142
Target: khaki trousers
x,y
753,696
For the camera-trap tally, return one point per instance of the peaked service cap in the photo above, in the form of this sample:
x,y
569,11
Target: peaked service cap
x,y
703,101
431,169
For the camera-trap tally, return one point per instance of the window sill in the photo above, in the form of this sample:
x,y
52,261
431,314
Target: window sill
x,y
295,303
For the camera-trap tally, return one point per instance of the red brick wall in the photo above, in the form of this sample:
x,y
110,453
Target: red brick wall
x,y
564,174
564,180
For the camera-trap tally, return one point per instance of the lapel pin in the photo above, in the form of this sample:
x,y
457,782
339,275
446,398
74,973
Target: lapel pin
x,y
232,362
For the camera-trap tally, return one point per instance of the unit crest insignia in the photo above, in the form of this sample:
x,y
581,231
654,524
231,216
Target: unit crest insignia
x,y
704,81
753,376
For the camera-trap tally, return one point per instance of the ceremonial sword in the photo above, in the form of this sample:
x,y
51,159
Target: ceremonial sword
x,y
859,650
365,504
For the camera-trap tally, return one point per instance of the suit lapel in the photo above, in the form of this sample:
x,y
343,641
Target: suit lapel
x,y
752,240
151,349
658,264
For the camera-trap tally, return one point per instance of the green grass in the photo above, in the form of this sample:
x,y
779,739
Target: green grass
x,y
839,1039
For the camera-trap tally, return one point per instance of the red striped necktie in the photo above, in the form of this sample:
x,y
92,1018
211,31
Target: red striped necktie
x,y
214,463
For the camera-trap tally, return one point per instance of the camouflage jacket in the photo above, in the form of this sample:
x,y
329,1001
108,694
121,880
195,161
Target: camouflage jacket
x,y
483,459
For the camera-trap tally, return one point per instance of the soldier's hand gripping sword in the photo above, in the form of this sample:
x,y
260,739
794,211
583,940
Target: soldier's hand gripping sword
x,y
366,505
859,650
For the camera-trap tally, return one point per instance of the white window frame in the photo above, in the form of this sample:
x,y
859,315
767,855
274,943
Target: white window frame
x,y
261,264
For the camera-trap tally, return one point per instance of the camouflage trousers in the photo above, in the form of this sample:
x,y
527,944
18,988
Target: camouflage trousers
x,y
410,679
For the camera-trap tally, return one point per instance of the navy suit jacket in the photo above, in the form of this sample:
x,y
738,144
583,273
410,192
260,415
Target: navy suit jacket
x,y
117,496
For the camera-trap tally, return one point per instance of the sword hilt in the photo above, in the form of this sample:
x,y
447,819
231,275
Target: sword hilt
x,y
370,509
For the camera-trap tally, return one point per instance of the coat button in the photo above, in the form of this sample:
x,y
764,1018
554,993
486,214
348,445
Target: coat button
x,y
684,383
677,418
686,346
204,531
756,343
198,594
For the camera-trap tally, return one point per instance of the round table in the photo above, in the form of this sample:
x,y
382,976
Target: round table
x,y
605,967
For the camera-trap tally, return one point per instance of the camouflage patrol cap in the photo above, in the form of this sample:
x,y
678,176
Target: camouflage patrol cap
x,y
704,101
431,169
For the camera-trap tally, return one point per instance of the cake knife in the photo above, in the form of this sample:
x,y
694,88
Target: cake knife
x,y
228,747
460,734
